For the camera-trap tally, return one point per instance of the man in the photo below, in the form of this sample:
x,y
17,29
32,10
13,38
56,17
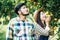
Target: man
x,y
19,28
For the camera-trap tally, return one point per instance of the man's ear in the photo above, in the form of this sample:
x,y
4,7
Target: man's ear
x,y
19,12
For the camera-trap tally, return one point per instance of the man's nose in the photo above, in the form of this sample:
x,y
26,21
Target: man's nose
x,y
27,9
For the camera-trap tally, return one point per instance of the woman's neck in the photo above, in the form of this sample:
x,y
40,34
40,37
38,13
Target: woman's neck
x,y
43,22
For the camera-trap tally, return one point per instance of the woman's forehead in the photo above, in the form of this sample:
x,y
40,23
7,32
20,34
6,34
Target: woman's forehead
x,y
42,12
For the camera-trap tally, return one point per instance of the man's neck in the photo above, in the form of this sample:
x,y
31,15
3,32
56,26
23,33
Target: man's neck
x,y
22,17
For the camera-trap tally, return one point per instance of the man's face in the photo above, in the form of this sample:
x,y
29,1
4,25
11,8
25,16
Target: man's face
x,y
24,10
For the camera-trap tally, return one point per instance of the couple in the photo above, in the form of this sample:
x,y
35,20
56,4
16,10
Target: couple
x,y
19,28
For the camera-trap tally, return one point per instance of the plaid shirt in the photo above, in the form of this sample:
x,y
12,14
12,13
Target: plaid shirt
x,y
20,30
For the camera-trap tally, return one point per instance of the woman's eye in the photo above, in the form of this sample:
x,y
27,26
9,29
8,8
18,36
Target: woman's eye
x,y
42,13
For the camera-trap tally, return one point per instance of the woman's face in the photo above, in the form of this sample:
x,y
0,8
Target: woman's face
x,y
42,16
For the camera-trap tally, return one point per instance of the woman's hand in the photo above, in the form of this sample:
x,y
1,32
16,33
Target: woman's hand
x,y
48,20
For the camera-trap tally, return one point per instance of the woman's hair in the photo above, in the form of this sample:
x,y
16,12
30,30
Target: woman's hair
x,y
37,17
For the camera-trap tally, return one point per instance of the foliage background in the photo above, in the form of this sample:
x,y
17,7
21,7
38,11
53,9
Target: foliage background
x,y
51,7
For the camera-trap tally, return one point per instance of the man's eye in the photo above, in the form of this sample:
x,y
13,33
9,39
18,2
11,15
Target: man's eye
x,y
24,7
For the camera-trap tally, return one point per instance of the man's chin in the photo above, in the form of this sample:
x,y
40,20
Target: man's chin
x,y
25,14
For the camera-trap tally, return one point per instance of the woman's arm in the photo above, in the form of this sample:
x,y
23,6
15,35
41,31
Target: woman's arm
x,y
42,31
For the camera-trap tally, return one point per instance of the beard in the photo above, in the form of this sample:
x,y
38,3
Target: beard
x,y
24,14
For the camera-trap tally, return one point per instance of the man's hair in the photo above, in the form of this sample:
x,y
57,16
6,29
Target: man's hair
x,y
18,6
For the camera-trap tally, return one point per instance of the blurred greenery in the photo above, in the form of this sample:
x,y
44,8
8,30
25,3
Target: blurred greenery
x,y
7,8
2,32
7,11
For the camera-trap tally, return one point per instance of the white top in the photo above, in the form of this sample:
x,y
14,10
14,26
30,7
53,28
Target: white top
x,y
40,31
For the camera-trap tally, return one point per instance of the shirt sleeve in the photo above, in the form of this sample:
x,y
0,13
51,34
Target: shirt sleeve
x,y
42,31
9,32
33,30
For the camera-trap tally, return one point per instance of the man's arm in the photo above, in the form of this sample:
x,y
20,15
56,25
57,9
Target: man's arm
x,y
9,31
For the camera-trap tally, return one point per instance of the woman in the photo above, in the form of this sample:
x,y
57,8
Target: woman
x,y
40,19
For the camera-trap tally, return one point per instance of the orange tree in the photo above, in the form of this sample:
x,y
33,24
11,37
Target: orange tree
x,y
50,6
53,6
